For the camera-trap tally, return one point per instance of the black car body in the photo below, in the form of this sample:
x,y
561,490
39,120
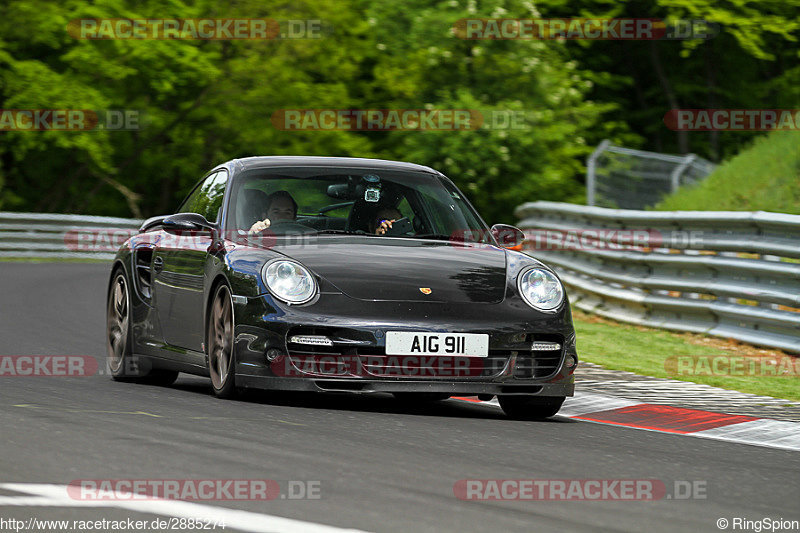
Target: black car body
x,y
186,293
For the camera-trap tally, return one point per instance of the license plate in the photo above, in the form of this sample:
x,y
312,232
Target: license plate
x,y
453,344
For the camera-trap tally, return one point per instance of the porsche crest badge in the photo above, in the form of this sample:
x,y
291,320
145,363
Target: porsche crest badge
x,y
425,290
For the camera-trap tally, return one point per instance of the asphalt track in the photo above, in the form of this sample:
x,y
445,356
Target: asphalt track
x,y
382,465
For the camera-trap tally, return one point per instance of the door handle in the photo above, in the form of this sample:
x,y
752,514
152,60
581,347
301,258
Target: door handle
x,y
158,264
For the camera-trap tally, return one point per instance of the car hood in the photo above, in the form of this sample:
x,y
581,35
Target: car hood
x,y
400,269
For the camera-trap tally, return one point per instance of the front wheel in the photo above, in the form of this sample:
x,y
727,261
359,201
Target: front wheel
x,y
530,407
221,360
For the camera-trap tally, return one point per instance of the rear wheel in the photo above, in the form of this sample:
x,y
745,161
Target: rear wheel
x,y
118,334
530,407
119,339
221,360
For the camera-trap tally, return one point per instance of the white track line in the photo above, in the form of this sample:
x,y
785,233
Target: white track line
x,y
56,496
762,432
589,402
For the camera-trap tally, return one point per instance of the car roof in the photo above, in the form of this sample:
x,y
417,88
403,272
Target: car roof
x,y
249,163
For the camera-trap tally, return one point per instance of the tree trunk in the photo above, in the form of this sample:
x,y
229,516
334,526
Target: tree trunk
x,y
669,93
711,85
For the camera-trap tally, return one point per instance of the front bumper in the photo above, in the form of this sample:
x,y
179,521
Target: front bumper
x,y
471,388
358,363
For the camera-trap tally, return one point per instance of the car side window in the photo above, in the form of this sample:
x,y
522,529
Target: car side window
x,y
207,198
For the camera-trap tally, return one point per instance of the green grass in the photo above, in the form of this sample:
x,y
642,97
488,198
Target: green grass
x,y
763,177
644,351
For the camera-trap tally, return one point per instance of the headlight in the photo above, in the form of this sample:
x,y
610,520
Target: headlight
x,y
540,288
290,282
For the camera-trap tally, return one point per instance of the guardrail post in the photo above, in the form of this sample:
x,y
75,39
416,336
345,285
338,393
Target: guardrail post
x,y
675,177
591,169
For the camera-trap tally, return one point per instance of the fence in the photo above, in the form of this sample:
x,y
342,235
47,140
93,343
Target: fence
x,y
729,274
42,236
635,179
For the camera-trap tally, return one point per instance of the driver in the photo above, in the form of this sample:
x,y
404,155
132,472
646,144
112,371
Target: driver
x,y
279,206
383,220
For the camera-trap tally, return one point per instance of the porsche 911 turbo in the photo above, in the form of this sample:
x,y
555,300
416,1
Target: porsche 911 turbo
x,y
340,274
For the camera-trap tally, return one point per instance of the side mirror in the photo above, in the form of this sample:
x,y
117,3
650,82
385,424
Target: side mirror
x,y
152,222
509,237
187,222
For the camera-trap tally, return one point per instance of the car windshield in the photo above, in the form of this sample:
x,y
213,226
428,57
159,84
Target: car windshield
x,y
353,201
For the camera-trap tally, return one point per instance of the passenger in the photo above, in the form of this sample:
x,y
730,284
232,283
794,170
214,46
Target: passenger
x,y
279,206
383,220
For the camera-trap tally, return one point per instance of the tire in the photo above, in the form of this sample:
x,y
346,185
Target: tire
x,y
119,340
221,359
421,397
530,407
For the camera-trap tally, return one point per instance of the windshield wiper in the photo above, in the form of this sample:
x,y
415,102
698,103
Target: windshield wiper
x,y
338,232
435,236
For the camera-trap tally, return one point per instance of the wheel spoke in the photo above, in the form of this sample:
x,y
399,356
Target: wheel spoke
x,y
226,310
119,299
218,310
119,346
223,367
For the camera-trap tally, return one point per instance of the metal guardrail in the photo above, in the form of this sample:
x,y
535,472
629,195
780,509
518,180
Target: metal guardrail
x,y
729,274
43,236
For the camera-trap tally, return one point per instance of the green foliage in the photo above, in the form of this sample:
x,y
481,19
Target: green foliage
x,y
765,176
543,159
751,63
206,101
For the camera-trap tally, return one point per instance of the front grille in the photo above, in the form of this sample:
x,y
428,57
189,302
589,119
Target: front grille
x,y
323,365
396,367
539,365
355,353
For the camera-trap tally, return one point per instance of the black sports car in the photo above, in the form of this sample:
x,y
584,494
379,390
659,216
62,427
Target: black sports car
x,y
340,274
